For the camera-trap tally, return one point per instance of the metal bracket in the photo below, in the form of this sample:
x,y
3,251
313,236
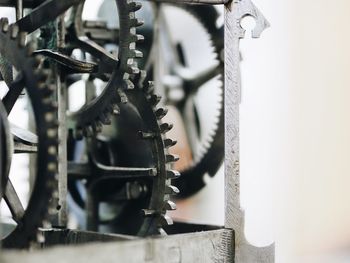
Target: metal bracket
x,y
234,217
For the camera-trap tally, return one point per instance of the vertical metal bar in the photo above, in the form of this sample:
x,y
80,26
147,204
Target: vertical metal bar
x,y
234,215
19,9
62,133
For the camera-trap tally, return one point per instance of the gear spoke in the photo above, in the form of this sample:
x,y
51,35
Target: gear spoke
x,y
99,32
46,12
193,82
172,58
13,202
70,64
20,147
14,92
84,171
107,62
23,136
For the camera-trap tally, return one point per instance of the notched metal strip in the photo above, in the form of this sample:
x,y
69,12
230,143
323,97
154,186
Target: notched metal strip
x,y
234,218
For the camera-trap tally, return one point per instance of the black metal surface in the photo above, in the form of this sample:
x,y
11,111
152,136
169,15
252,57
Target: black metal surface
x,y
128,170
12,48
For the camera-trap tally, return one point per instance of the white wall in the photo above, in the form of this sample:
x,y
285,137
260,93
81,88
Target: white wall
x,y
296,130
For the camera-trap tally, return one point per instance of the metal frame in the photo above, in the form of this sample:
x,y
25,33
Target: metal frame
x,y
223,245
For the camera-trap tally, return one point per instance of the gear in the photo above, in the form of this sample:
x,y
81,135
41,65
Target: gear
x,y
88,120
150,193
210,155
33,79
131,169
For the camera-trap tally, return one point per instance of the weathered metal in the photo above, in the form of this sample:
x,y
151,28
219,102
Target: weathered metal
x,y
234,214
207,247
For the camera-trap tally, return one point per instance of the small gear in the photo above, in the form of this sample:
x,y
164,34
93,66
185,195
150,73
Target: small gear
x,y
33,79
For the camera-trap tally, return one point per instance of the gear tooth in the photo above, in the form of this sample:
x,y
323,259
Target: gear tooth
x,y
136,22
53,106
154,100
22,39
171,190
148,212
169,143
165,220
37,61
135,6
146,135
51,133
52,167
132,69
14,30
123,97
30,48
169,205
52,150
171,158
129,84
4,23
160,113
116,109
165,127
140,78
137,38
51,88
136,53
149,88
172,174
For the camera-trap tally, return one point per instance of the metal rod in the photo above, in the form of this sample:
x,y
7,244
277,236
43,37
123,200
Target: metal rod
x,y
62,132
19,9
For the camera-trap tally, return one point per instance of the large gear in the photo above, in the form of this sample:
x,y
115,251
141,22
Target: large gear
x,y
33,79
212,153
89,119
139,147
138,107
209,157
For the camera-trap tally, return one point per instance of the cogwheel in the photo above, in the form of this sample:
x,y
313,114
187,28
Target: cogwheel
x,y
89,119
139,143
210,154
33,79
154,131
